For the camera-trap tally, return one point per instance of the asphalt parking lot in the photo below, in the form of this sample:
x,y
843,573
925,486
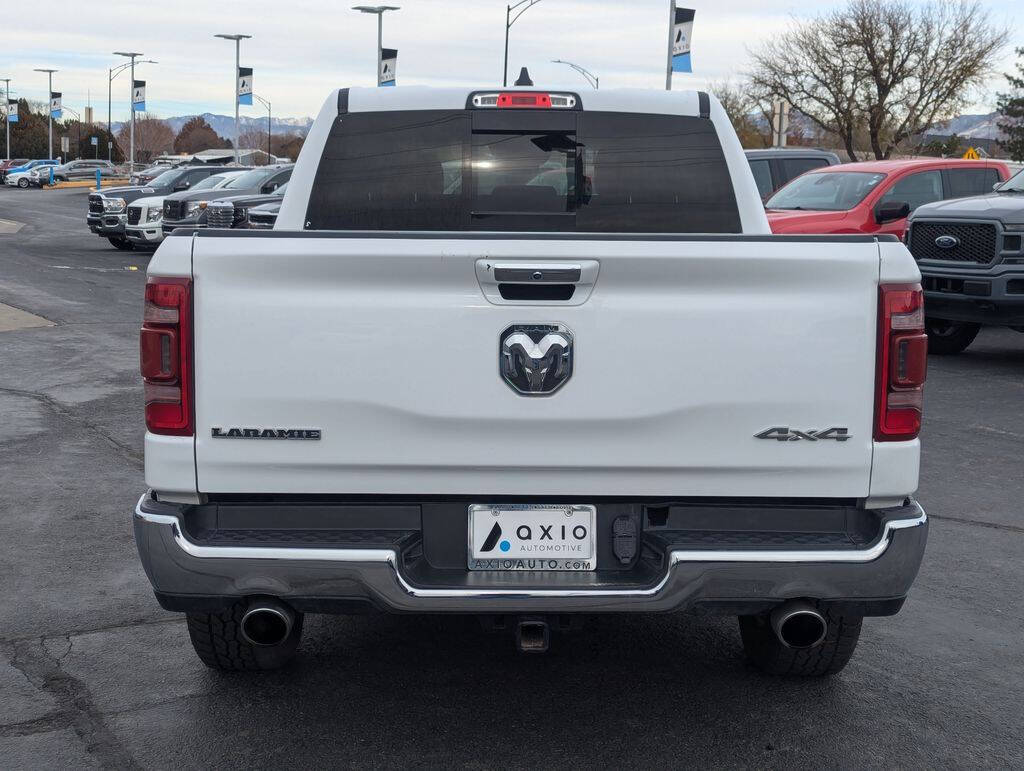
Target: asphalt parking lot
x,y
94,673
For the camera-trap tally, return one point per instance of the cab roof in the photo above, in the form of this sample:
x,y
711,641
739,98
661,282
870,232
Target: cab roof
x,y
428,98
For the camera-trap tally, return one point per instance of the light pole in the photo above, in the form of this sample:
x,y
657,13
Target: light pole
x,y
234,82
509,21
380,11
591,78
266,104
112,73
7,113
131,102
49,112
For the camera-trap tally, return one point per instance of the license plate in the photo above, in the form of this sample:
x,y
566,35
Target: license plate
x,y
532,537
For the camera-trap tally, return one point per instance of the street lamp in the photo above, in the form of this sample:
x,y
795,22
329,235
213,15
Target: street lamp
x,y
112,73
49,112
234,82
7,113
509,21
591,78
131,102
266,104
379,10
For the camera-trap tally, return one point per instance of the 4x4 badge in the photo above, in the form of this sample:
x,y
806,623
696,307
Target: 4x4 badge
x,y
786,434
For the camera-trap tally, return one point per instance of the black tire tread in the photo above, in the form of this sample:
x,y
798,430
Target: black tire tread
x,y
217,640
949,345
765,652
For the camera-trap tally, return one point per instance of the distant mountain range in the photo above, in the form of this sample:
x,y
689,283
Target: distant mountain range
x,y
224,125
970,127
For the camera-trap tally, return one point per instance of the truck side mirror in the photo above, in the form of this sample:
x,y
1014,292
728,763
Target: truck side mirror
x,y
181,186
889,211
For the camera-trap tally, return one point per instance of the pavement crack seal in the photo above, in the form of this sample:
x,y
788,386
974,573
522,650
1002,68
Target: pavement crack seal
x,y
76,707
976,523
132,456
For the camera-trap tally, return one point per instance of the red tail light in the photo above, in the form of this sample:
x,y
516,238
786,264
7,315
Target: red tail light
x,y
902,362
165,354
526,99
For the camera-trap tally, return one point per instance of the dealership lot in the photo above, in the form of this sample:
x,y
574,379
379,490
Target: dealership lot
x,y
93,672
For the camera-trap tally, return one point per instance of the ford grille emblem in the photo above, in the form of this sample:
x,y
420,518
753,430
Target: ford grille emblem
x,y
536,359
947,242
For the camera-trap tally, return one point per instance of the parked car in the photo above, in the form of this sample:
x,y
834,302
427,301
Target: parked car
x,y
875,196
971,255
773,167
107,216
83,169
188,210
144,215
147,175
234,211
264,216
460,376
27,178
21,175
9,164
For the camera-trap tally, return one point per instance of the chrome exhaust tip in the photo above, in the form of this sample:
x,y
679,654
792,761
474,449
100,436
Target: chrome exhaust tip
x,y
267,623
798,624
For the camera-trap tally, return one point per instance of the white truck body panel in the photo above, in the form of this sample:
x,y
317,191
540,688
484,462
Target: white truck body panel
x,y
685,350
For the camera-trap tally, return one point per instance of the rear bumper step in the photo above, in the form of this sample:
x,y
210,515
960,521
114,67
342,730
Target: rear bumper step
x,y
676,568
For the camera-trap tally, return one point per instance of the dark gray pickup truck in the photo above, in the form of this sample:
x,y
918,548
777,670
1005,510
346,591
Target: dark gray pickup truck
x,y
971,255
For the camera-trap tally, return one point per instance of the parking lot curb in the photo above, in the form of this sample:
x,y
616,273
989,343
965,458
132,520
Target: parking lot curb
x,y
84,183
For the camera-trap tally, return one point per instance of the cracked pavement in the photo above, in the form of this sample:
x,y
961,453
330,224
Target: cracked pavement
x,y
94,674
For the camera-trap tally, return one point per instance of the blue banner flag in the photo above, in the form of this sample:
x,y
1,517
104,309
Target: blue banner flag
x,y
139,96
55,106
245,85
388,66
12,110
682,33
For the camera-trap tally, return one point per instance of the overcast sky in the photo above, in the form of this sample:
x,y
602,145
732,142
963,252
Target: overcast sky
x,y
301,49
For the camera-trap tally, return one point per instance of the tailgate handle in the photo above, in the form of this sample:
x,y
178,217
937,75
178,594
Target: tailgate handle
x,y
539,274
537,283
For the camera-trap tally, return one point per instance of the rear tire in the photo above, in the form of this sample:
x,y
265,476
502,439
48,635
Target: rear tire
x,y
949,337
218,641
121,243
764,650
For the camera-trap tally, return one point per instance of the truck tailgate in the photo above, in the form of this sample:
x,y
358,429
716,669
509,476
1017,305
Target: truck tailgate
x,y
686,348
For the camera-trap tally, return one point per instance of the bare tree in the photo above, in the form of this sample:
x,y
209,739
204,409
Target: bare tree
x,y
153,137
745,112
887,68
253,139
287,145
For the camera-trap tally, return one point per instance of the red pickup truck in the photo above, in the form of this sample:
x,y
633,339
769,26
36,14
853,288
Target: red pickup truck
x,y
875,196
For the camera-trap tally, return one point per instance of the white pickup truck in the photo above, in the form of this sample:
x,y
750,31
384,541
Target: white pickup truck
x,y
530,355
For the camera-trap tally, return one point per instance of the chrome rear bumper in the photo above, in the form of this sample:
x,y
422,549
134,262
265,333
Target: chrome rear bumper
x,y
181,568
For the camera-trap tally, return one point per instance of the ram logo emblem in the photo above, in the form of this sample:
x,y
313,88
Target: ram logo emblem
x,y
535,359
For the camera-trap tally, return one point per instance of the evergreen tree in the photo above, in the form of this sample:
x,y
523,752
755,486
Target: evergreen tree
x,y
1011,109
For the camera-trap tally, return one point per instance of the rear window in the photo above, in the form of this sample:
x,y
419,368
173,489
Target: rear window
x,y
523,171
968,182
794,167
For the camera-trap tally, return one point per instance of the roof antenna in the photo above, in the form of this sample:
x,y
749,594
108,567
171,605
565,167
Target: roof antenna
x,y
524,78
